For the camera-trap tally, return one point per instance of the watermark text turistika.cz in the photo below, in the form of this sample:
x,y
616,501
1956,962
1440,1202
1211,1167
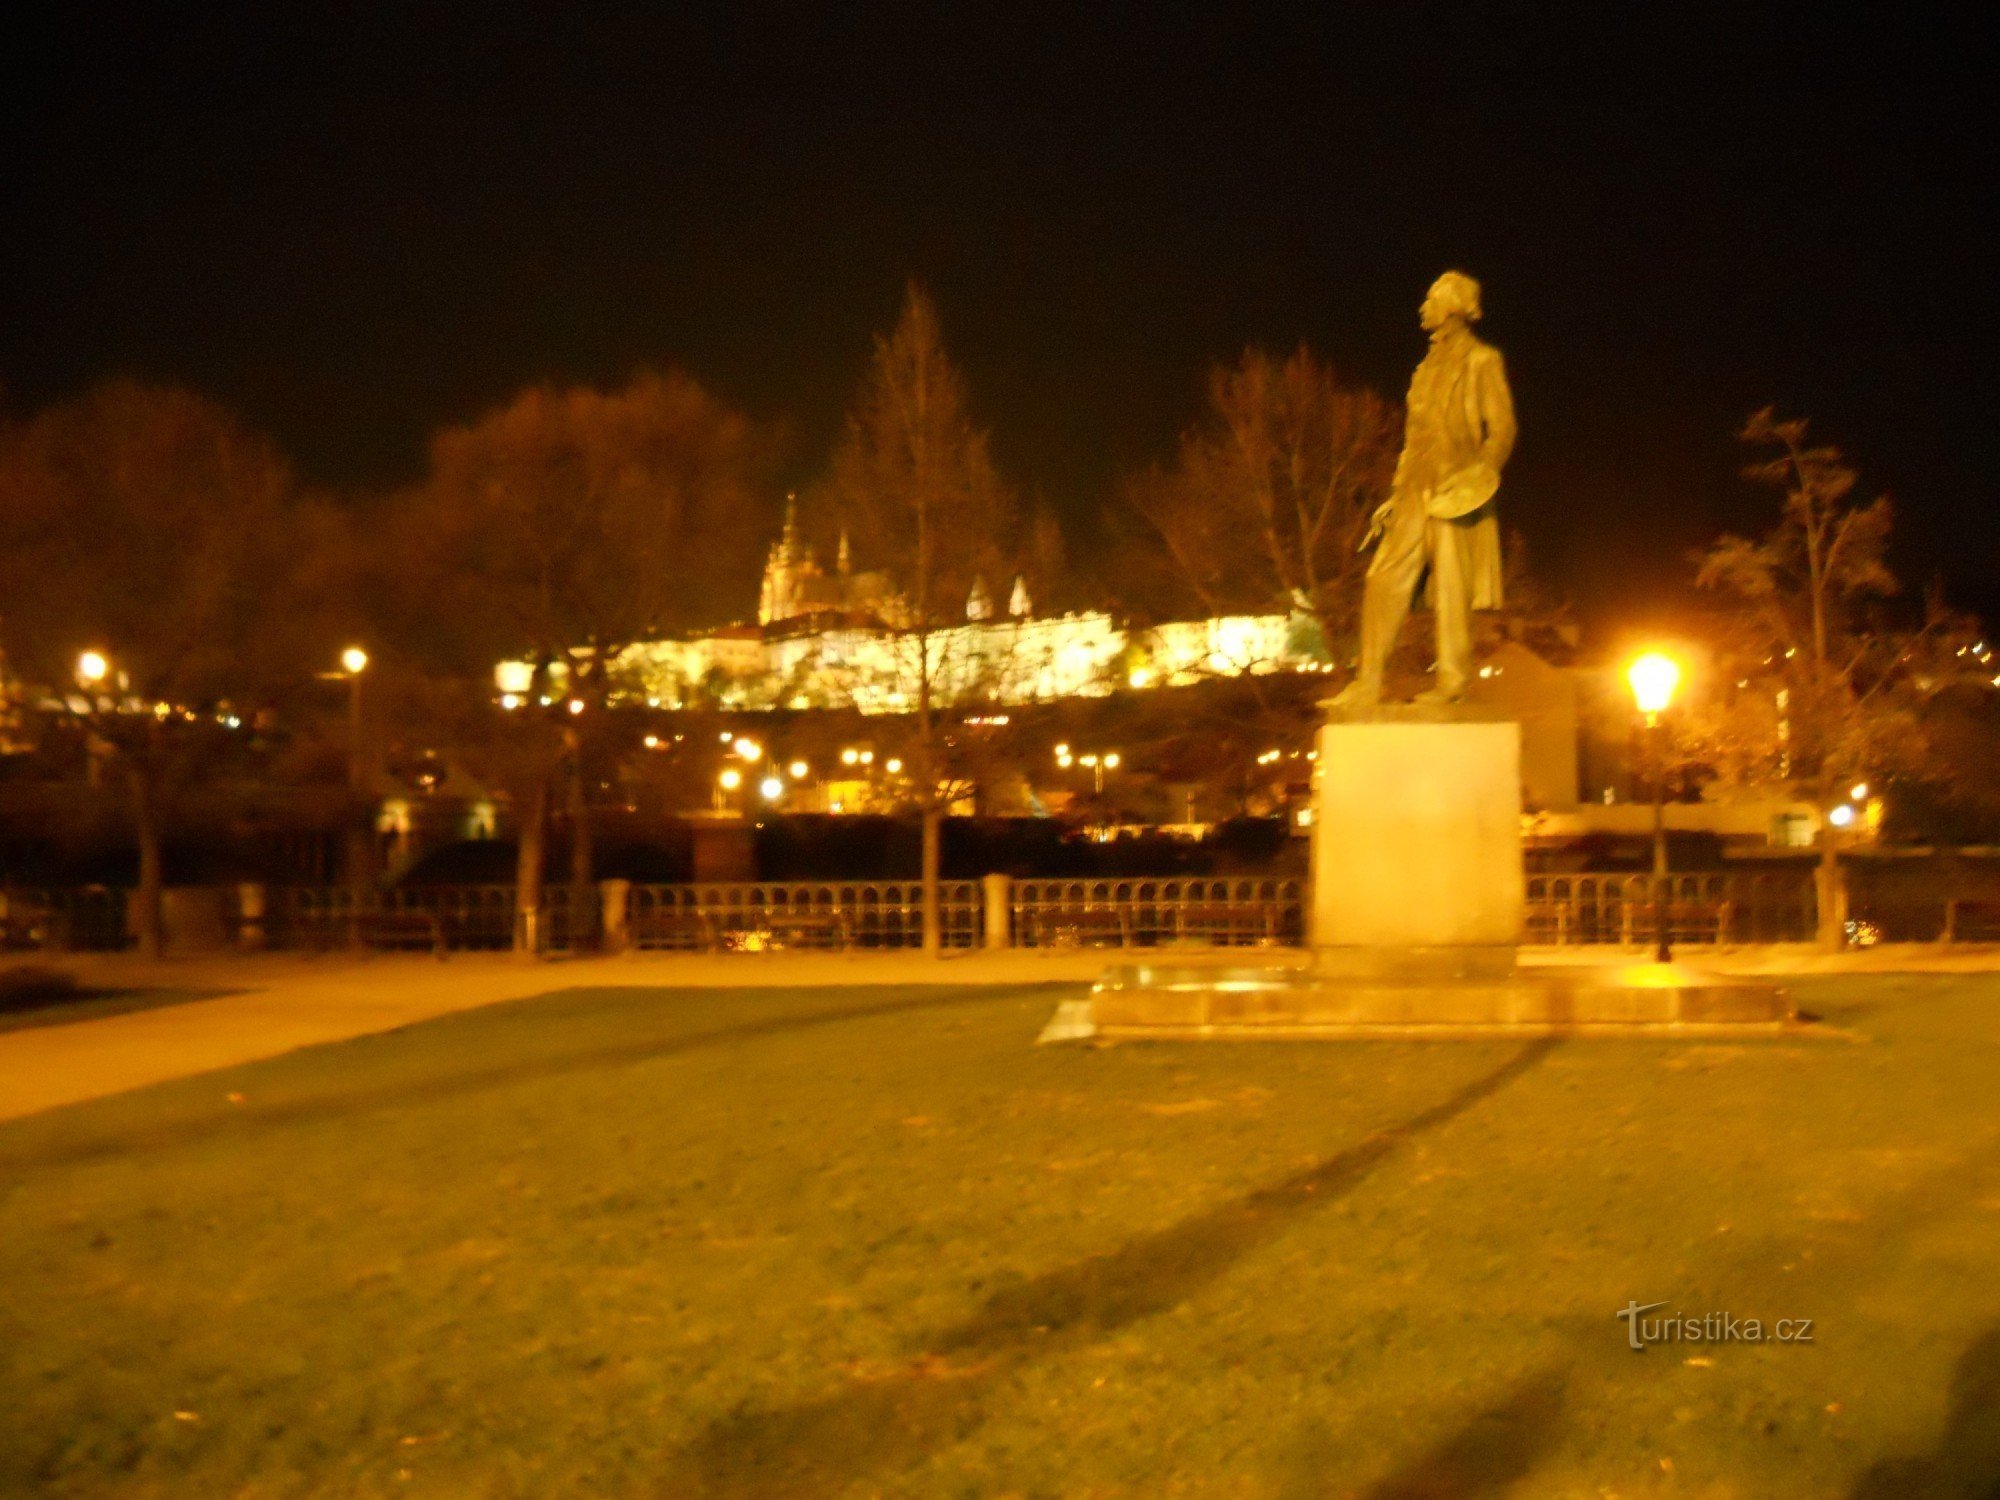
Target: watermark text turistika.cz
x,y
1707,1328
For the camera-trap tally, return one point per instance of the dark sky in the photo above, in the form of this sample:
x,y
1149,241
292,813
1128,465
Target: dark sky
x,y
355,229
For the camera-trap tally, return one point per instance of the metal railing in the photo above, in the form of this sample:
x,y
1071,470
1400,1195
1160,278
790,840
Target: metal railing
x,y
1145,912
749,916
463,918
1722,907
1717,907
72,919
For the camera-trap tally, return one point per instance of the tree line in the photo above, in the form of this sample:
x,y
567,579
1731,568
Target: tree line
x,y
147,534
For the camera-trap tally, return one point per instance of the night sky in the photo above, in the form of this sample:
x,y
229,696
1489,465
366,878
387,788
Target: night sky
x,y
354,230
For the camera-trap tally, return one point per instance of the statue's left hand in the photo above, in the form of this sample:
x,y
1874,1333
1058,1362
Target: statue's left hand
x,y
1377,524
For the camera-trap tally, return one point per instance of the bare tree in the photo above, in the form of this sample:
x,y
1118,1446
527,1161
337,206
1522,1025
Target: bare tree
x,y
1818,687
914,479
1269,497
149,548
557,531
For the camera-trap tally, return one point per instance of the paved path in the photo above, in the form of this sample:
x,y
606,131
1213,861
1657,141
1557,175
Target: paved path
x,y
278,1003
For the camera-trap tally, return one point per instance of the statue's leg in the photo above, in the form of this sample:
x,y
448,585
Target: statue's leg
x,y
1385,598
1451,599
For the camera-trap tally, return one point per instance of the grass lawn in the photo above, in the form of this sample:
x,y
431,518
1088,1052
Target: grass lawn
x,y
812,1243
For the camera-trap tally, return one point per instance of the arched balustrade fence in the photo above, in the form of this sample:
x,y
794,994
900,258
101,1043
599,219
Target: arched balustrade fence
x,y
750,917
1720,907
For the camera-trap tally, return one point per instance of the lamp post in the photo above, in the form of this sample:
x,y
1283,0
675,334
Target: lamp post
x,y
360,821
1653,678
92,668
353,662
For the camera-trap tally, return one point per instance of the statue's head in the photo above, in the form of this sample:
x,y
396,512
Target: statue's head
x,y
1452,295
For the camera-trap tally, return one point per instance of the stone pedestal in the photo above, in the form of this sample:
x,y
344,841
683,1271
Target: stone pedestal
x,y
1416,854
1417,906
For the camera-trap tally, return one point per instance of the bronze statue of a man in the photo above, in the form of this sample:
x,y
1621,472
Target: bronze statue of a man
x,y
1458,430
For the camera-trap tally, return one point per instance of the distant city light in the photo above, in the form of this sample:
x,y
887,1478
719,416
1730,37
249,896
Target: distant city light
x,y
576,705
849,756
867,757
1111,760
510,700
652,742
92,668
894,767
798,770
750,750
1841,816
772,788
1140,677
1859,791
730,779
1062,750
354,661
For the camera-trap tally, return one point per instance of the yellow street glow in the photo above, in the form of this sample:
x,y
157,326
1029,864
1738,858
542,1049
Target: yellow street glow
x,y
798,770
354,661
731,779
749,749
92,667
1653,677
1841,816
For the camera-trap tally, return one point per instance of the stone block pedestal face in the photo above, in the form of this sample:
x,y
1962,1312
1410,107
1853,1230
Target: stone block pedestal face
x,y
1417,841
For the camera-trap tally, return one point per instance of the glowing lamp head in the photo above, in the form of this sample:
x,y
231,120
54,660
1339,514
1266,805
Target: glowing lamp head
x,y
1111,760
849,756
92,668
772,788
730,779
354,661
1653,678
749,749
1841,817
798,770
1859,792
894,767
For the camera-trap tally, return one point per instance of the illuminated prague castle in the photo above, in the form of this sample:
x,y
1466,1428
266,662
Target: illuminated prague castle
x,y
840,639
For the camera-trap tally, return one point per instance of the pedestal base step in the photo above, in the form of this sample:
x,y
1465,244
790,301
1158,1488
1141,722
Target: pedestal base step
x,y
1166,1000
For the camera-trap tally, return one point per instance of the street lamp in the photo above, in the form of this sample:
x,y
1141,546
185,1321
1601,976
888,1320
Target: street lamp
x,y
1654,677
727,782
92,668
353,662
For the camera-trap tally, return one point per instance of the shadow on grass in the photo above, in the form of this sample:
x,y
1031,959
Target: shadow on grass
x,y
1487,1453
244,1123
29,1009
1966,1461
896,1417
